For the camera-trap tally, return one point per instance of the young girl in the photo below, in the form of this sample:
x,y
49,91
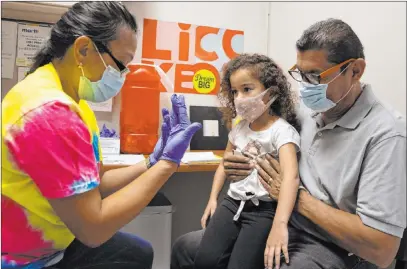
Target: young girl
x,y
254,88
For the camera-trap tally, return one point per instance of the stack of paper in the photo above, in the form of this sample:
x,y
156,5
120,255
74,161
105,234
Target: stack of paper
x,y
110,146
200,157
122,159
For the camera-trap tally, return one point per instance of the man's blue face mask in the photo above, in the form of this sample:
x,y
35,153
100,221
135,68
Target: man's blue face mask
x,y
314,96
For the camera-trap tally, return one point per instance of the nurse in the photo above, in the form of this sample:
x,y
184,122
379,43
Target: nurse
x,y
59,209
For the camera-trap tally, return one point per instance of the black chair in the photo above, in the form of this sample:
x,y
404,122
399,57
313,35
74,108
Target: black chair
x,y
401,258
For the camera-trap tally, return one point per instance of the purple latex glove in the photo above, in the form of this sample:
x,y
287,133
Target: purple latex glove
x,y
181,132
179,115
162,141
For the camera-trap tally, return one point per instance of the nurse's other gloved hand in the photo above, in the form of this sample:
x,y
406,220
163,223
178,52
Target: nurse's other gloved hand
x,y
179,115
165,133
181,132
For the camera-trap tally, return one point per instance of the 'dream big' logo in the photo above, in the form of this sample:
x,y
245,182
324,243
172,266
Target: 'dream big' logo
x,y
191,55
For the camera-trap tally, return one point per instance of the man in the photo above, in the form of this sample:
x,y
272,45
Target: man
x,y
351,210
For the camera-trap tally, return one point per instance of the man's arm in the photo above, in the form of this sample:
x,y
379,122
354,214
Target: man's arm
x,y
374,232
349,231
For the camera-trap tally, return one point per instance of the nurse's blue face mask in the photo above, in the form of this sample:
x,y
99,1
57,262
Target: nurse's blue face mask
x,y
313,93
108,86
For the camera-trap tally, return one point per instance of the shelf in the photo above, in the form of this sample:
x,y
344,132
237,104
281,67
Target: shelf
x,y
46,12
184,168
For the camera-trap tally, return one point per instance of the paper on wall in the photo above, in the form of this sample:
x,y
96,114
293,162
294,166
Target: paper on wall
x,y
31,38
22,72
103,106
8,48
210,128
109,146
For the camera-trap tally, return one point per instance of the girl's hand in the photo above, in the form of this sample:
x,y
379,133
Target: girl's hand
x,y
209,210
276,242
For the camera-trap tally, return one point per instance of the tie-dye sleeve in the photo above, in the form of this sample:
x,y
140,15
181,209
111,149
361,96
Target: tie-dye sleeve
x,y
53,146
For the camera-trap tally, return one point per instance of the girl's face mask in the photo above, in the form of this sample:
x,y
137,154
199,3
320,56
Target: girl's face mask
x,y
251,108
107,87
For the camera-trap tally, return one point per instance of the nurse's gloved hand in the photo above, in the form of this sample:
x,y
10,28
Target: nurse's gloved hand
x,y
165,133
179,115
181,132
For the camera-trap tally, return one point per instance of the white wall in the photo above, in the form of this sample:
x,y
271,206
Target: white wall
x,y
380,26
252,18
248,17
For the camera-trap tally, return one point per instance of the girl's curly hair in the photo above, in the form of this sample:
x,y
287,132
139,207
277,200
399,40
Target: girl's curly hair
x,y
270,75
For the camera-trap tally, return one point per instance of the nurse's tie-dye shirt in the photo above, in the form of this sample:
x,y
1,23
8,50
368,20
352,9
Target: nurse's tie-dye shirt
x,y
50,150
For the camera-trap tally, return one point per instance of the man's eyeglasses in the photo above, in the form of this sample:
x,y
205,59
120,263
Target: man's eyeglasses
x,y
315,78
122,68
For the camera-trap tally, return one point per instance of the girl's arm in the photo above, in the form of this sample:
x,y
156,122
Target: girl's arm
x,y
278,237
220,176
289,185
217,185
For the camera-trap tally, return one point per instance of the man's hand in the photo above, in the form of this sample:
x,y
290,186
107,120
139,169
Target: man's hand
x,y
346,229
269,174
237,167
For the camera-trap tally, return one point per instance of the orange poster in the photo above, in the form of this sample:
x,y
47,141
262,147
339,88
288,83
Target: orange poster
x,y
191,55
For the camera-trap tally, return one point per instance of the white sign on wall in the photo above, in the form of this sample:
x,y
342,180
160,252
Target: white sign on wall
x,y
8,48
103,106
31,38
22,73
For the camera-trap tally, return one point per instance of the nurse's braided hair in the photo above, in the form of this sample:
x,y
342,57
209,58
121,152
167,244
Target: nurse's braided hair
x,y
270,75
99,21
